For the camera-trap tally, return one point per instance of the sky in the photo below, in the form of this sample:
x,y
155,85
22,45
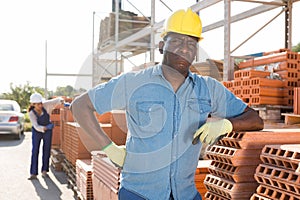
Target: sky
x,y
67,27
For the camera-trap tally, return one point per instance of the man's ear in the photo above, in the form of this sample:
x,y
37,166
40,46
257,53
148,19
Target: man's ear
x,y
161,45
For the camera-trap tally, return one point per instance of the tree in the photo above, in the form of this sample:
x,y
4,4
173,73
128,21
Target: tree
x,y
21,94
296,48
68,91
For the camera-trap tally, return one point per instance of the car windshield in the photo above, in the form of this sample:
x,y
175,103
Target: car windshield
x,y
6,107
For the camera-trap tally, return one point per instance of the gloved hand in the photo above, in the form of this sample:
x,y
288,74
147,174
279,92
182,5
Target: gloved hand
x,y
115,153
49,126
211,132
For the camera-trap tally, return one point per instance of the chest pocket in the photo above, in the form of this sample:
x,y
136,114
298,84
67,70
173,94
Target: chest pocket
x,y
151,116
199,109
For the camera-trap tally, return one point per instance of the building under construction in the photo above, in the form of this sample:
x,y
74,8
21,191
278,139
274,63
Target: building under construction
x,y
256,165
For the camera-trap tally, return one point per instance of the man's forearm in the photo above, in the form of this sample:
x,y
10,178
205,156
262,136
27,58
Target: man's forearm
x,y
249,120
93,137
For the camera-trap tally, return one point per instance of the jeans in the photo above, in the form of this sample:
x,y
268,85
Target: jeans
x,y
130,195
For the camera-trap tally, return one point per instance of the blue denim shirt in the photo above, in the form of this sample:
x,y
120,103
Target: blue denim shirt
x,y
160,156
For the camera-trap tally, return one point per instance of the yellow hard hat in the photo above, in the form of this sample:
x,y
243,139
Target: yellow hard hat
x,y
184,22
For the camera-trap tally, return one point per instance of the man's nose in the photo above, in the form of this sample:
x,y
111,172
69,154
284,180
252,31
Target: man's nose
x,y
185,48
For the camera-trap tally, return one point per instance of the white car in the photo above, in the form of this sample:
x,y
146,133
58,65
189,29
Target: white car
x,y
11,119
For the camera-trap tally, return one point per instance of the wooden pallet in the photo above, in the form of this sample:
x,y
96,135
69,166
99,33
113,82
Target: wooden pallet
x,y
291,118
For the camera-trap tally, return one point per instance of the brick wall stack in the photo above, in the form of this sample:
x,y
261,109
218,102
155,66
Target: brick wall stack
x,y
235,159
65,117
84,180
279,173
73,146
267,80
106,177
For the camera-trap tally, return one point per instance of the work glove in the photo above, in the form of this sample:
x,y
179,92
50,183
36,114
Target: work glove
x,y
116,154
49,126
211,132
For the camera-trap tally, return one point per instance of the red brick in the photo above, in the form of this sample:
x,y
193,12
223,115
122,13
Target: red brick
x,y
273,58
286,156
258,139
246,92
254,73
269,91
266,82
237,75
233,156
291,67
273,193
267,100
213,196
227,84
237,174
290,83
237,83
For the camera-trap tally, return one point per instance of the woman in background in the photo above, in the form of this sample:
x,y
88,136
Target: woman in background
x,y
39,114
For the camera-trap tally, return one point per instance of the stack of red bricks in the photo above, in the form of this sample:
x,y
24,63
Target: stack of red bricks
x,y
106,177
256,83
73,147
234,161
56,120
279,174
84,181
58,116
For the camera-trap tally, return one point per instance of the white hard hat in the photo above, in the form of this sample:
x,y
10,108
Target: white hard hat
x,y
36,98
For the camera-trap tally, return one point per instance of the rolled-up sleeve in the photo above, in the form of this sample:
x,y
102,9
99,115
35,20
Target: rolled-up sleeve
x,y
109,96
49,105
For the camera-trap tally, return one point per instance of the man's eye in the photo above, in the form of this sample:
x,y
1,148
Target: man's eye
x,y
192,44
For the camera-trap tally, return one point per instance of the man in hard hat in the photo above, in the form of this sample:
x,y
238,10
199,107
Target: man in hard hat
x,y
167,108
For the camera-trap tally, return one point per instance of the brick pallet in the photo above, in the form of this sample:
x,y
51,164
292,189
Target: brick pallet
x,y
70,171
294,118
57,158
235,160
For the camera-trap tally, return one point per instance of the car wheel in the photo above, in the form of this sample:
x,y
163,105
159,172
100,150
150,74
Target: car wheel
x,y
18,136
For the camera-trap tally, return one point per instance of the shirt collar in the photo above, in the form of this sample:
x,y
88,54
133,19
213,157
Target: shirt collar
x,y
157,71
